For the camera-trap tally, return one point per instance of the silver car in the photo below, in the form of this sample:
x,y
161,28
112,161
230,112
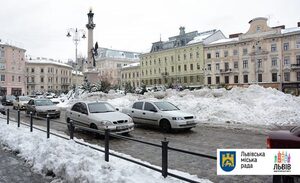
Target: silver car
x,y
21,102
99,115
42,108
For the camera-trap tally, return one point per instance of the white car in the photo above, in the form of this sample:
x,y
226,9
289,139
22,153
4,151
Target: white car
x,y
160,113
21,102
99,115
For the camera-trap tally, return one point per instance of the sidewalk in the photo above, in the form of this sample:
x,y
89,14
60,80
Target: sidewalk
x,y
15,170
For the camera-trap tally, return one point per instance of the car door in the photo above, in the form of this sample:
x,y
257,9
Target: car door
x,y
30,106
150,114
74,112
83,116
136,112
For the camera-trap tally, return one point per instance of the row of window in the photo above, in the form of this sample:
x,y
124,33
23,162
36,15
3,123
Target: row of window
x,y
50,80
286,47
50,70
13,78
171,58
185,68
259,63
286,78
192,79
130,74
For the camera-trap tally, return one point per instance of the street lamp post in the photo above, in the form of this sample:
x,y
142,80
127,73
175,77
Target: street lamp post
x,y
76,35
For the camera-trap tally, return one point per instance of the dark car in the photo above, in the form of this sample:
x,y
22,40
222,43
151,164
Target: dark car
x,y
8,100
284,138
287,139
42,107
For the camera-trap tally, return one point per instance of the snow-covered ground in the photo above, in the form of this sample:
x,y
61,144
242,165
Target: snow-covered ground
x,y
76,163
247,106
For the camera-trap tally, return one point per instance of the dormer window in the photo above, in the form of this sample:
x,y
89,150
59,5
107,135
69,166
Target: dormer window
x,y
258,29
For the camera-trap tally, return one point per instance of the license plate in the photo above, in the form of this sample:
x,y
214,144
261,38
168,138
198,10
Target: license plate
x,y
121,127
190,122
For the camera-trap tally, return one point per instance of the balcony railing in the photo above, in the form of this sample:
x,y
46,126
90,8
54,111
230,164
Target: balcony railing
x,y
295,66
164,73
225,71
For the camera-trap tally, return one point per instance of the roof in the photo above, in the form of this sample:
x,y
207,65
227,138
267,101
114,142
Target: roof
x,y
200,38
227,40
117,54
40,60
290,30
131,65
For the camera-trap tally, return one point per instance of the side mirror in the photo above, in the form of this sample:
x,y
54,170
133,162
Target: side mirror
x,y
117,109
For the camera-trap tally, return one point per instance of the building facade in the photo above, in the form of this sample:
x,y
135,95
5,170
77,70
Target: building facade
x,y
268,56
109,63
77,78
178,61
12,69
47,75
131,74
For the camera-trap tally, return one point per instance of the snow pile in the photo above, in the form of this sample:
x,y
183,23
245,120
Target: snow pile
x,y
254,105
73,162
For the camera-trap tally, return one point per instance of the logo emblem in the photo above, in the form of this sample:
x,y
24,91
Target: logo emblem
x,y
227,160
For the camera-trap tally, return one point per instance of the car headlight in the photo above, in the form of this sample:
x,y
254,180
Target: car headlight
x,y
177,118
130,120
106,123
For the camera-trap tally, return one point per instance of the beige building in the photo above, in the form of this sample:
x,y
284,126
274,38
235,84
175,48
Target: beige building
x,y
77,78
268,56
47,75
109,63
131,74
178,61
12,69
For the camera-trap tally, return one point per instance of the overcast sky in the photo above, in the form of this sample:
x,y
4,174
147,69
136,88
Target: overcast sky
x,y
40,26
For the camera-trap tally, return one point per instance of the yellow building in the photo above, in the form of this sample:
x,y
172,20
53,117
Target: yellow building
x,y
178,61
131,74
268,56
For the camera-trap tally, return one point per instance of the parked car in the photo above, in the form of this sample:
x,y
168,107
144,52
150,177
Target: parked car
x,y
99,115
56,101
21,102
160,113
2,109
284,139
42,107
8,100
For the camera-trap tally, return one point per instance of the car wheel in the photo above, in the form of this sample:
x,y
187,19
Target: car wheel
x,y
165,126
93,126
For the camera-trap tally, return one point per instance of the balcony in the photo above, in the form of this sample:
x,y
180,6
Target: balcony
x,y
225,71
295,66
31,83
164,74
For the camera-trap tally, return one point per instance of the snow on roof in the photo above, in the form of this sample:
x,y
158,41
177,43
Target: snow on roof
x,y
200,38
225,40
289,30
78,73
39,60
131,65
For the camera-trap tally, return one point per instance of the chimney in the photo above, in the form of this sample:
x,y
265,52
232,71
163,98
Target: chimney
x,y
234,35
298,24
182,31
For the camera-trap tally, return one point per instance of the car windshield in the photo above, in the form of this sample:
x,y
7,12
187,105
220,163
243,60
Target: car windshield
x,y
100,107
43,102
166,106
24,98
